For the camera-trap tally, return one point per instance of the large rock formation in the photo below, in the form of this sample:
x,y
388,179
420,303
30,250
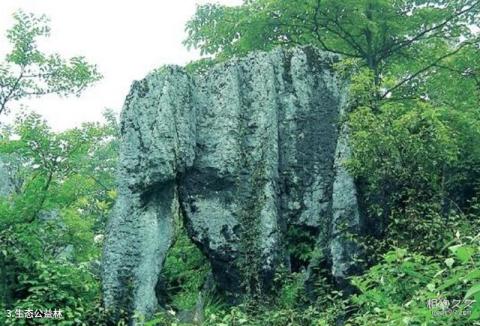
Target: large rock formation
x,y
244,153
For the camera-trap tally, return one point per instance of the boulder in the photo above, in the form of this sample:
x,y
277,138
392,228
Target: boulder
x,y
243,153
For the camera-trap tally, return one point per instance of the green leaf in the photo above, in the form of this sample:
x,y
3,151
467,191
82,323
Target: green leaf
x,y
473,275
472,291
464,253
449,262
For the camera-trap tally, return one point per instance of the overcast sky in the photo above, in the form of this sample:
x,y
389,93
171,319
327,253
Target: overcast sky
x,y
126,39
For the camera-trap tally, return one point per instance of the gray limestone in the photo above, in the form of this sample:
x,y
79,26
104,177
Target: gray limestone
x,y
6,184
242,153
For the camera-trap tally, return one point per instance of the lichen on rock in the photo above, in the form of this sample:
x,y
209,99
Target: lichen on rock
x,y
242,153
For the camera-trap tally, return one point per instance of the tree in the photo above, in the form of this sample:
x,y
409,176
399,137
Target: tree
x,y
29,72
62,184
64,188
380,35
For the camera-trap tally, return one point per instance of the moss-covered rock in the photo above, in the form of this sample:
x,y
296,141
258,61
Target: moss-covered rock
x,y
242,152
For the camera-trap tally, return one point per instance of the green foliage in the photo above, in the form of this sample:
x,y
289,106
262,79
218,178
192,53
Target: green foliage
x,y
288,306
267,315
29,72
404,149
400,289
53,285
416,163
398,41
301,244
291,289
60,187
63,190
200,65
184,272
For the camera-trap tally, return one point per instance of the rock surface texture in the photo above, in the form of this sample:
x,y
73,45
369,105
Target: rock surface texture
x,y
244,153
6,184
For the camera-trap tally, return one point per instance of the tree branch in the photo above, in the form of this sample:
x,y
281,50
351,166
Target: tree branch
x,y
401,44
424,69
12,90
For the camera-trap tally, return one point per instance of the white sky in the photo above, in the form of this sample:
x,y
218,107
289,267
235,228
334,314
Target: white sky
x,y
125,38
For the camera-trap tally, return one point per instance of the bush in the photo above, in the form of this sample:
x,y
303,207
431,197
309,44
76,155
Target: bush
x,y
407,288
412,163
